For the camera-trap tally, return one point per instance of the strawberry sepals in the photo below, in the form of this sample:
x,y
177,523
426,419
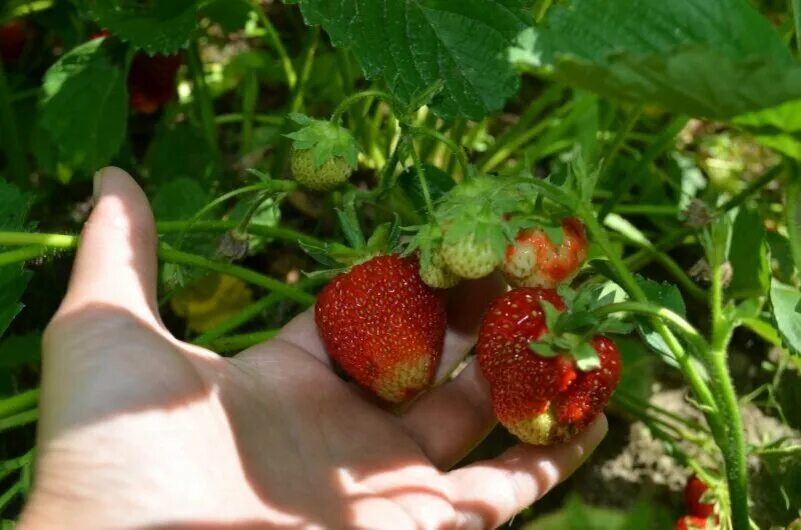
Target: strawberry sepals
x,y
339,258
571,331
325,139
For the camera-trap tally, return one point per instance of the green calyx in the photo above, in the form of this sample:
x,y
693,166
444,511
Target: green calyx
x,y
325,139
338,257
571,332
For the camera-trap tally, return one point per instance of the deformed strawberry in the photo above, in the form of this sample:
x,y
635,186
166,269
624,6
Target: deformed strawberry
x,y
540,399
13,37
383,326
151,81
535,260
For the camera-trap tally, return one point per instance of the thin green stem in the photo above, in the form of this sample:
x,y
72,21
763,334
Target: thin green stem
x,y
223,119
250,312
640,259
250,95
274,39
789,450
733,445
9,494
421,177
624,184
11,145
647,209
620,138
450,144
270,185
296,101
517,137
276,232
19,420
21,254
235,343
20,402
61,241
202,97
9,466
178,257
172,255
796,11
697,383
662,313
355,98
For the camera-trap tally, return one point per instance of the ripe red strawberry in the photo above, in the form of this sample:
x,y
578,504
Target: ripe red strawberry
x,y
691,522
534,260
13,36
541,400
151,81
383,326
693,491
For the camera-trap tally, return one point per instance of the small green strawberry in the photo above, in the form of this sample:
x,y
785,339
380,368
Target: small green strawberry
x,y
427,242
470,257
436,273
324,154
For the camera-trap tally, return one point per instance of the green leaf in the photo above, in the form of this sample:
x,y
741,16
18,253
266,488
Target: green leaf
x,y
748,256
785,299
153,26
664,295
551,315
196,162
700,57
411,44
84,107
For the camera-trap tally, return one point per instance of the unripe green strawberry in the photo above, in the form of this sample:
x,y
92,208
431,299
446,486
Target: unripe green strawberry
x,y
469,258
436,274
324,153
332,173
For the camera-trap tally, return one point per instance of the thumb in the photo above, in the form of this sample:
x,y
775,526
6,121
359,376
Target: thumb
x,y
116,263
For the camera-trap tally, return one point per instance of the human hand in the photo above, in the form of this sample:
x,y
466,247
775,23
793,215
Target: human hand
x,y
141,431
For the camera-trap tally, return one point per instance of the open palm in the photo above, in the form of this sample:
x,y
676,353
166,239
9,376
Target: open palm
x,y
141,431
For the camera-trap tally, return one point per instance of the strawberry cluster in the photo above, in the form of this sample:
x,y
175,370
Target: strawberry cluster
x,y
383,319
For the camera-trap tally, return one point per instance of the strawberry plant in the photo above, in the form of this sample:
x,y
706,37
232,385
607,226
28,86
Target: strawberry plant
x,y
630,169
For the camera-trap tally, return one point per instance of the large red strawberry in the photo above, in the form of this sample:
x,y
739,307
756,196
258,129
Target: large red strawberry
x,y
541,400
692,522
694,490
13,36
151,81
535,260
383,326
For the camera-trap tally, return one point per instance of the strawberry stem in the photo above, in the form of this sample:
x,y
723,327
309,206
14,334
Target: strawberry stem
x,y
169,255
346,103
447,142
421,176
275,41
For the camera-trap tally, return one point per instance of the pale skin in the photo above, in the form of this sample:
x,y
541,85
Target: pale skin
x,y
141,431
